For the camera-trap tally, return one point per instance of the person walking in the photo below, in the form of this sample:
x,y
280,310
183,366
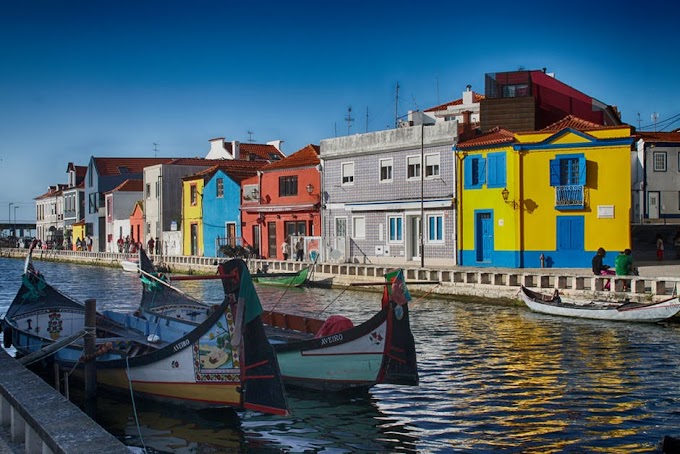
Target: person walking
x,y
285,248
299,250
150,245
89,243
659,247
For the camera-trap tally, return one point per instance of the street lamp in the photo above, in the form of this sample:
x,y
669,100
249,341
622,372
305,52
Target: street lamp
x,y
15,219
9,218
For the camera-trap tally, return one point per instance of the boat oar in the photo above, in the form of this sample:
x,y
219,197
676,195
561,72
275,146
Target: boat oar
x,y
51,348
164,283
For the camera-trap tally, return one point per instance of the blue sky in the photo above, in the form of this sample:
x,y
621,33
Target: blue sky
x,y
111,78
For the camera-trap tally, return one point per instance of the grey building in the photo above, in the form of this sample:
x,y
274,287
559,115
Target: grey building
x,y
656,178
382,189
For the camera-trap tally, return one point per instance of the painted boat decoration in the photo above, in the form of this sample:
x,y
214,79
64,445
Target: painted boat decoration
x,y
225,360
284,279
328,355
625,311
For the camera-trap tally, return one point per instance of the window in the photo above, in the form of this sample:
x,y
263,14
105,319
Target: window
x,y
158,189
348,173
435,228
386,170
432,166
92,203
193,194
497,170
568,170
413,167
359,227
340,226
395,234
219,188
288,186
148,191
659,159
475,172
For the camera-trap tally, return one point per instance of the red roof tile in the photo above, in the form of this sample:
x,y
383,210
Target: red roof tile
x,y
658,136
305,157
476,97
252,151
495,136
118,166
573,122
237,170
129,186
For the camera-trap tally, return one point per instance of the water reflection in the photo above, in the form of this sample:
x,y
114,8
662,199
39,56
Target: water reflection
x,y
492,378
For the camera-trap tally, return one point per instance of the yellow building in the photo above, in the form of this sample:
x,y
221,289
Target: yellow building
x,y
549,197
192,215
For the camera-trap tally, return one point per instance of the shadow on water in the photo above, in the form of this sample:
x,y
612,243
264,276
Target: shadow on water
x,y
342,423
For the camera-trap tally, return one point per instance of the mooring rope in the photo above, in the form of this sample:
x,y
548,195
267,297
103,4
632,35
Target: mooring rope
x,y
134,407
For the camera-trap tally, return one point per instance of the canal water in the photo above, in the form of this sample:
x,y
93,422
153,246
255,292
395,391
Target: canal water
x,y
492,379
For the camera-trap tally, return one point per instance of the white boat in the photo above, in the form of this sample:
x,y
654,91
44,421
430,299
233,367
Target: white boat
x,y
624,311
130,265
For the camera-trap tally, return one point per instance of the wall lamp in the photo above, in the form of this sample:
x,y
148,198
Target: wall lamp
x,y
505,193
310,188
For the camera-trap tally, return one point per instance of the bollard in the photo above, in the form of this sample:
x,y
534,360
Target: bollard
x,y
90,338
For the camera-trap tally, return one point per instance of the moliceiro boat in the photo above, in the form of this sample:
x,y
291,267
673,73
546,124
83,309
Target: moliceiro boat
x,y
225,360
284,279
625,311
328,355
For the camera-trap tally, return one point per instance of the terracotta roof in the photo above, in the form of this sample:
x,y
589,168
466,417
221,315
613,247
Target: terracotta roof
x,y
495,136
251,151
52,191
119,166
304,157
237,170
658,136
476,97
129,186
191,162
573,122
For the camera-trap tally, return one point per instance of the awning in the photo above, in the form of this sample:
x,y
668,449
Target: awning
x,y
279,208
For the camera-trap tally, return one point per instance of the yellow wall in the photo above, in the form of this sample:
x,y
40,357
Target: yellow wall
x,y
523,232
192,214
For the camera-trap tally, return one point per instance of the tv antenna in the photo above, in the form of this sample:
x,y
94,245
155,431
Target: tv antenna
x,y
155,149
349,119
396,107
655,116
250,136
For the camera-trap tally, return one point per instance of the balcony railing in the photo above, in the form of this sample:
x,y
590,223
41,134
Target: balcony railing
x,y
569,196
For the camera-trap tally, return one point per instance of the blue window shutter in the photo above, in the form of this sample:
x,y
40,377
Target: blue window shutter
x,y
439,228
468,172
493,170
501,170
582,171
399,229
554,172
431,233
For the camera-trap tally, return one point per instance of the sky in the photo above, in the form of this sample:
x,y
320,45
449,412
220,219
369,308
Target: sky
x,y
150,78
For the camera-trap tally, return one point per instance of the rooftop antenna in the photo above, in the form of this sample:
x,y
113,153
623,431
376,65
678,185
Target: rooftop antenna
x,y
349,118
655,116
396,107
250,136
155,149
366,119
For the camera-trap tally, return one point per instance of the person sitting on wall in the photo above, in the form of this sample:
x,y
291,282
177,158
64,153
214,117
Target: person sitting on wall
x,y
600,269
624,267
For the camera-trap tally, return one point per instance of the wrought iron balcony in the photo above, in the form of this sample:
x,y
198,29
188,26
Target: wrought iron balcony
x,y
569,196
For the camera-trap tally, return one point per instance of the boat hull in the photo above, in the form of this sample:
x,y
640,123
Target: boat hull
x,y
621,312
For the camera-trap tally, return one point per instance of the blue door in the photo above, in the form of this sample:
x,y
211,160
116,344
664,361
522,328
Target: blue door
x,y
570,234
484,236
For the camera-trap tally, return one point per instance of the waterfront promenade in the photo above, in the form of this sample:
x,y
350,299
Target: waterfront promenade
x,y
656,280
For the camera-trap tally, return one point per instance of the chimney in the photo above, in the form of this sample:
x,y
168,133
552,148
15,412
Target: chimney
x,y
217,149
467,96
276,144
235,150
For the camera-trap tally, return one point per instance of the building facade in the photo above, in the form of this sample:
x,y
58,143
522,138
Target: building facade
x,y
545,198
382,189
